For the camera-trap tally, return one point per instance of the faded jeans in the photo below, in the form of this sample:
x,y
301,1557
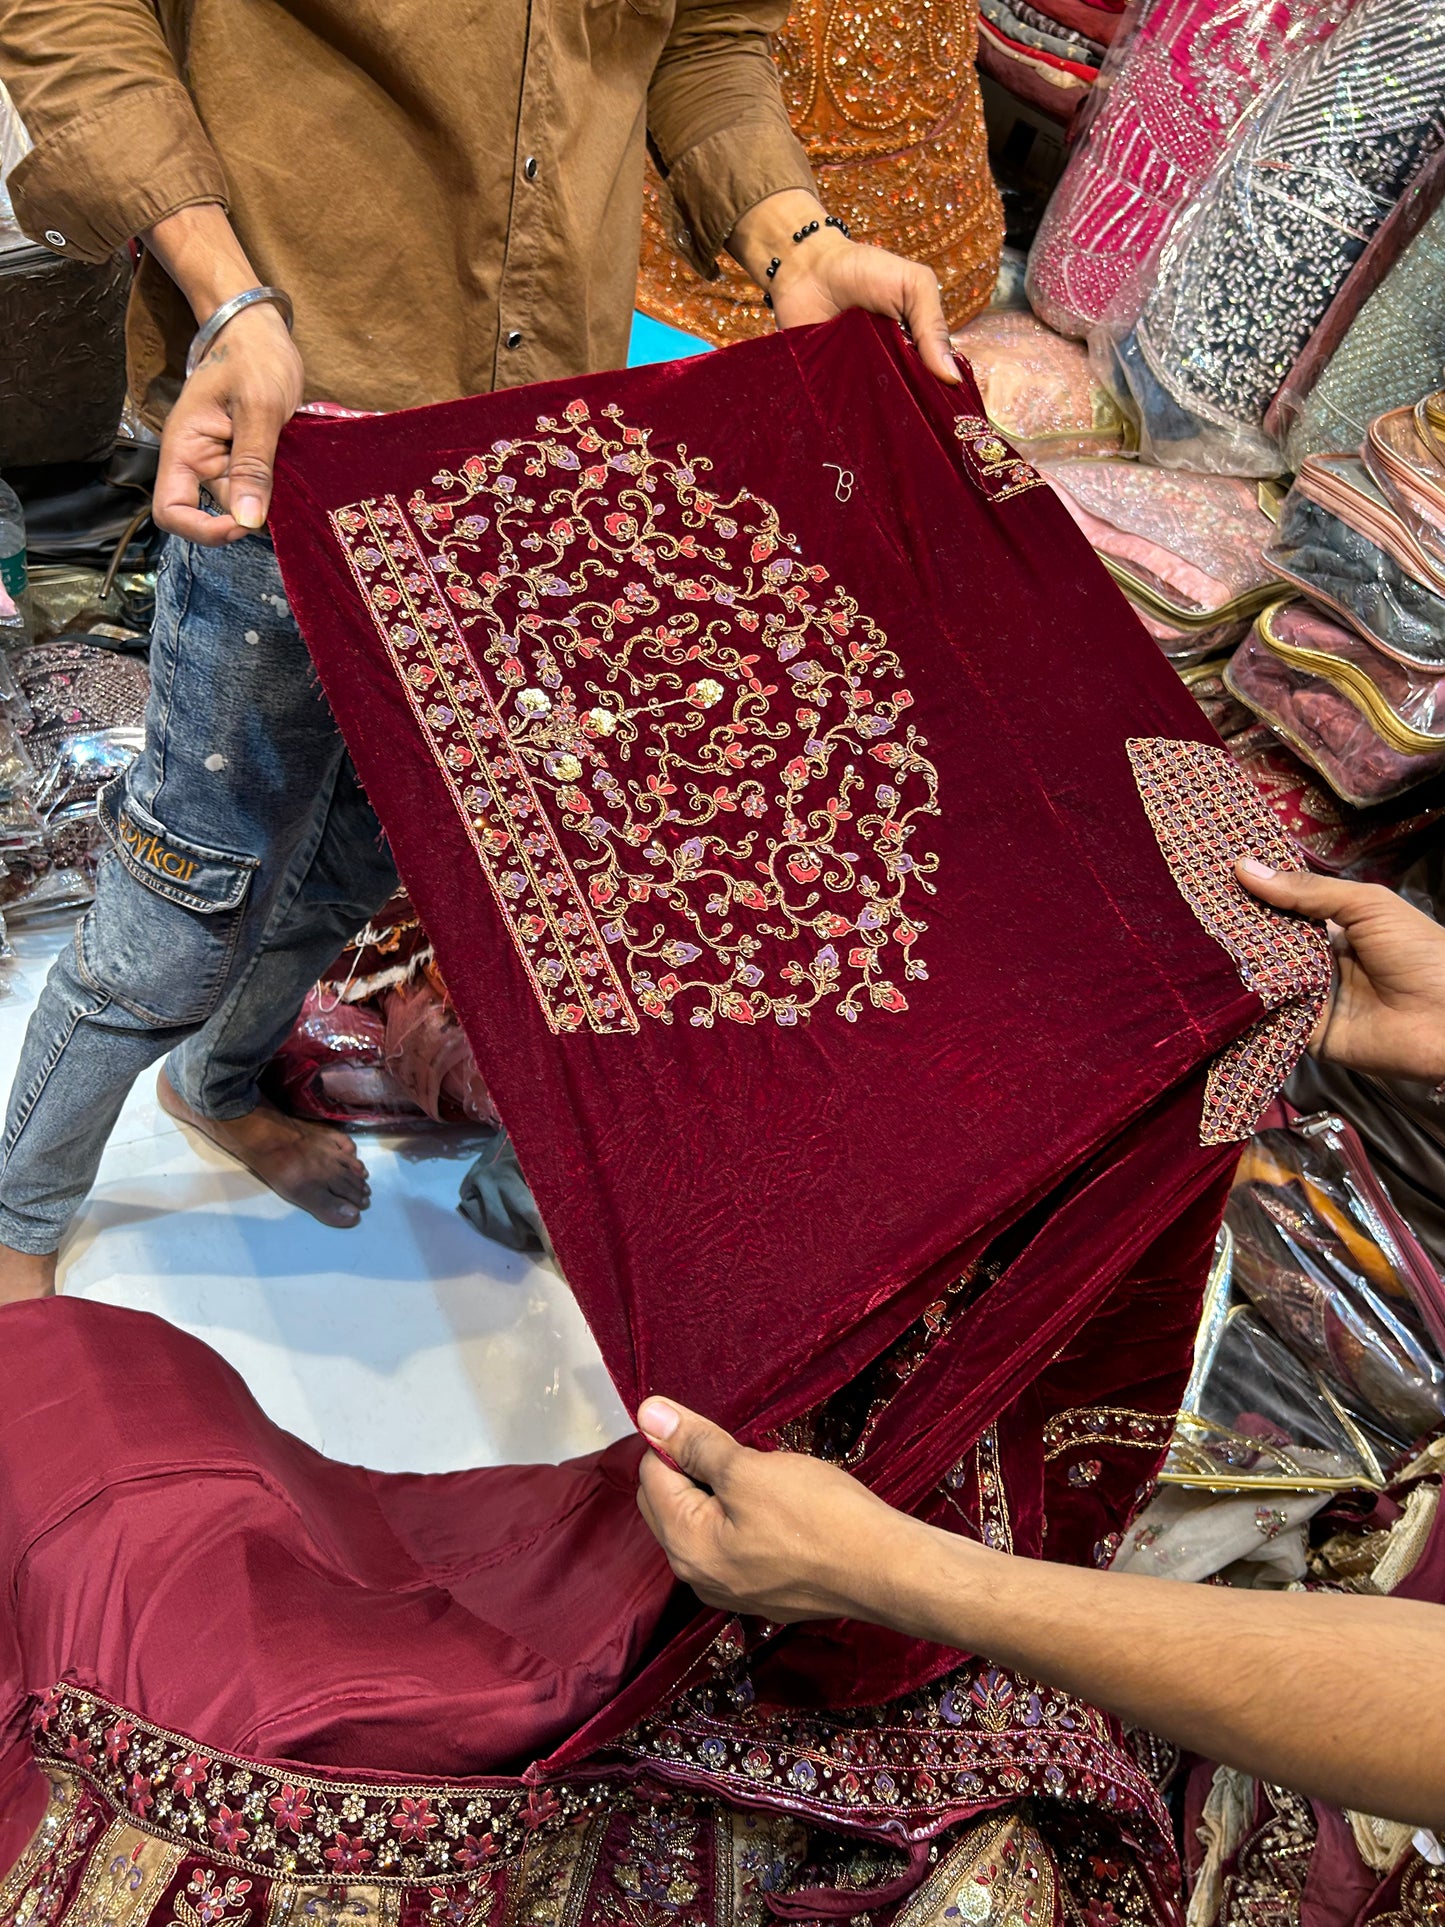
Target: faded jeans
x,y
243,857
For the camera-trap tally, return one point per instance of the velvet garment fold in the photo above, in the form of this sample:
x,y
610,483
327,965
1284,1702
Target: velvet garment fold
x,y
787,791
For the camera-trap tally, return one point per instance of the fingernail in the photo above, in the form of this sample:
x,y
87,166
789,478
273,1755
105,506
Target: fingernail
x,y
1252,866
249,513
657,1419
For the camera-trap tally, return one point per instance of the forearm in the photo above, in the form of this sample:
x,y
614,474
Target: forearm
x,y
765,232
198,249
1271,1683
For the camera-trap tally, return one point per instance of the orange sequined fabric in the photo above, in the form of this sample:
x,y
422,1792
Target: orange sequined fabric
x,y
884,96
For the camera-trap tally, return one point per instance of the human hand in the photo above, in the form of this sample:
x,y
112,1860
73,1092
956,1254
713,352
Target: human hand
x,y
222,432
818,278
778,1535
1387,1012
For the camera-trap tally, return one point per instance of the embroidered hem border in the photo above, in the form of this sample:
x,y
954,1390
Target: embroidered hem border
x,y
1205,815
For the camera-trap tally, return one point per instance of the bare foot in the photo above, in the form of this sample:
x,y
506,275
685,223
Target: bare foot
x,y
24,1275
310,1165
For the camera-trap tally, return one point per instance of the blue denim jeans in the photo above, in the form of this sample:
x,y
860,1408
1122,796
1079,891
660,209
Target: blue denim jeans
x,y
243,856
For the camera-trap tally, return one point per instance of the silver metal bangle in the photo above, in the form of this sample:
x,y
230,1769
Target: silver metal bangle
x,y
228,310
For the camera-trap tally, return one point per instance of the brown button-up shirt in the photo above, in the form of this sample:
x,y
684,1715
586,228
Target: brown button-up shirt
x,y
450,190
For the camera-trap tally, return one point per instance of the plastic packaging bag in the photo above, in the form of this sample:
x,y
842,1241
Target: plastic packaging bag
x,y
74,688
1038,389
1341,542
1370,845
1404,706
1404,451
1170,95
1187,550
1324,1257
1324,727
1254,260
332,1068
1392,351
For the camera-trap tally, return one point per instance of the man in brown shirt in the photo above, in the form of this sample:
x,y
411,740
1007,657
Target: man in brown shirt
x,y
450,197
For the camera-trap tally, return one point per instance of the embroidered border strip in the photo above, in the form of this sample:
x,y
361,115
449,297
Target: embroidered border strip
x,y
1205,815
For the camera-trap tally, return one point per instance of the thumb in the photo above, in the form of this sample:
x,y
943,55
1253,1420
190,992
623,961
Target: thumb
x,y
699,1448
923,311
248,473
1306,894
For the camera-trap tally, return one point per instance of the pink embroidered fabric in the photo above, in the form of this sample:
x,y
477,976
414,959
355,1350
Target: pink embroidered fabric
x,y
1285,961
1037,387
1173,94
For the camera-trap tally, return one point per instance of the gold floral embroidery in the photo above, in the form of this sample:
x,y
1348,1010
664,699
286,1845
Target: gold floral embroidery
x,y
683,762
1000,1874
33,1893
308,1905
994,468
127,1875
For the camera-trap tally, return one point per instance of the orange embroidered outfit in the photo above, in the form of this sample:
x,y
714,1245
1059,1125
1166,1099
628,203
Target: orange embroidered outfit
x,y
886,101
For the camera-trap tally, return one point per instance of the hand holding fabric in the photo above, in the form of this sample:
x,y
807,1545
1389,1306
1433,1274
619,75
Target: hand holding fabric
x,y
1387,1011
819,277
770,1533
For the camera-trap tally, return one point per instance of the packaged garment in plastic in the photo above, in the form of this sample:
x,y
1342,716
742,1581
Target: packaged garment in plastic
x,y
1045,70
332,1068
1038,388
1371,845
1187,550
1342,543
1260,1418
80,769
1404,451
1324,1257
75,688
1381,343
1171,94
1205,683
1404,706
1255,258
1324,727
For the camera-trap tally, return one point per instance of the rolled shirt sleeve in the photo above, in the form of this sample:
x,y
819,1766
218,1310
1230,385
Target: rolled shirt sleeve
x,y
117,141
716,122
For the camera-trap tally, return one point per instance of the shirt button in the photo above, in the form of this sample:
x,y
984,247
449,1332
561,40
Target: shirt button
x,y
529,167
55,237
514,338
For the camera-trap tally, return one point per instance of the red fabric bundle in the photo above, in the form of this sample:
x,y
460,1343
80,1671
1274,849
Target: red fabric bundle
x,y
834,881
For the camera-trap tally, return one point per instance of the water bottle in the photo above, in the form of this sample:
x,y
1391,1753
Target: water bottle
x,y
14,603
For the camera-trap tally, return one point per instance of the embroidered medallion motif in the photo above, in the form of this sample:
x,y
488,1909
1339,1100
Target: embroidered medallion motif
x,y
1205,814
993,467
682,756
129,1872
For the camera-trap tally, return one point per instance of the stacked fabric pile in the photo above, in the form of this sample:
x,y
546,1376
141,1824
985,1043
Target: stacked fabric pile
x,y
71,722
1238,276
1048,53
1307,1453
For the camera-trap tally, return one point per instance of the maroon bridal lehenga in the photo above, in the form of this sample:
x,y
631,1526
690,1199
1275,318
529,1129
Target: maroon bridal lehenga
x,y
835,883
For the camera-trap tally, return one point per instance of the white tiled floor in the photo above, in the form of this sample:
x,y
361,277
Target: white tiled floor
x,y
408,1344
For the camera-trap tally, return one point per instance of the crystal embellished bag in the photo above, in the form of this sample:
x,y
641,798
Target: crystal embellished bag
x,y
1255,259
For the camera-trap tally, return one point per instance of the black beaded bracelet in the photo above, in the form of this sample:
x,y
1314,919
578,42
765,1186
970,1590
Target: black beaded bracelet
x,y
803,233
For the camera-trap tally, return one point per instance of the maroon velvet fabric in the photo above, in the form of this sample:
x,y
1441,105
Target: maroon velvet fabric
x,y
958,1211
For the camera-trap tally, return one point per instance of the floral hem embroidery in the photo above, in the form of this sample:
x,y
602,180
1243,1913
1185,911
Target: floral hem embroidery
x,y
1205,815
681,756
297,1825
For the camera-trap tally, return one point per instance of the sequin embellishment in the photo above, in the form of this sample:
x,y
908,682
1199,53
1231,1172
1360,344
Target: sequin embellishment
x,y
1205,814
